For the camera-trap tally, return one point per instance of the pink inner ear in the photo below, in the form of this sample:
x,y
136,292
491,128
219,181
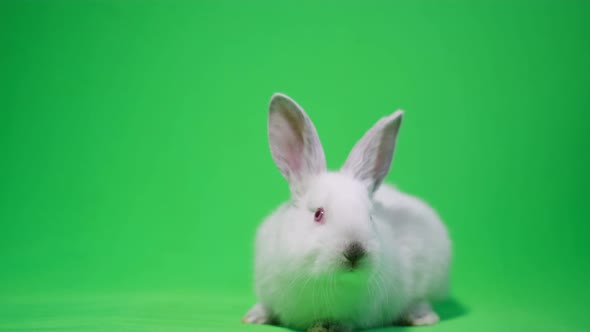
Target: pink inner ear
x,y
294,155
294,143
286,143
384,153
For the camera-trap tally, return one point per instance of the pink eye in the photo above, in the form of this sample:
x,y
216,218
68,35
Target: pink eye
x,y
318,215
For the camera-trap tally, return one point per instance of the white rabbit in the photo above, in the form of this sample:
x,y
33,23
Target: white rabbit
x,y
346,252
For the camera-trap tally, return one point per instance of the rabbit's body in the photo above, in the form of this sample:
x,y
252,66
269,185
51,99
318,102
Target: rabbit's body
x,y
413,269
346,250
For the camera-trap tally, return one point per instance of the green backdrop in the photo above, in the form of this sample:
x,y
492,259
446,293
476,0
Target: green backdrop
x,y
135,165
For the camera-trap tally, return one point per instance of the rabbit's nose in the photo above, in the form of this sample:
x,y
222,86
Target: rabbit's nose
x,y
354,252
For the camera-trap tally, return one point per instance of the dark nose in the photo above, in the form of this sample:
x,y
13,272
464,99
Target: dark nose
x,y
354,252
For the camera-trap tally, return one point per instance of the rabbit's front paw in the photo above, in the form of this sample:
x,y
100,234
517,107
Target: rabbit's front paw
x,y
420,314
257,315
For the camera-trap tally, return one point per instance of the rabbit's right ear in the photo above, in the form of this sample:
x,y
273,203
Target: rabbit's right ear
x,y
294,142
370,159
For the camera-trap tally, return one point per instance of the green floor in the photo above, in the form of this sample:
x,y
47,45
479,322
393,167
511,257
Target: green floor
x,y
221,311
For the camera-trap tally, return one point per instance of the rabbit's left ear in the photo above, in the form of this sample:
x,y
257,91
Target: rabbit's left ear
x,y
370,159
294,143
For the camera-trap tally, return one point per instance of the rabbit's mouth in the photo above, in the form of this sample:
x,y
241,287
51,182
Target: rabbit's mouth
x,y
360,265
325,267
353,266
354,255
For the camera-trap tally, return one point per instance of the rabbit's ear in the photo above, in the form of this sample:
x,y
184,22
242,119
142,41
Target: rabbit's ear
x,y
370,159
294,142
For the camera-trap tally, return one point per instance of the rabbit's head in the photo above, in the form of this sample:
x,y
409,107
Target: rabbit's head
x,y
328,226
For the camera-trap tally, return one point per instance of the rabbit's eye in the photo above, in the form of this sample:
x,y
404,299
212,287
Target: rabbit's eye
x,y
318,215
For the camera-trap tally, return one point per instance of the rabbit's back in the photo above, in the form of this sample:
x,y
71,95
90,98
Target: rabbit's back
x,y
420,246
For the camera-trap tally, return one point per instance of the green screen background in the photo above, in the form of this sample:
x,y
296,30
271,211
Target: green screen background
x,y
135,165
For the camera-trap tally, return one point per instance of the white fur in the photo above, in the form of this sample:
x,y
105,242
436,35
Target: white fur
x,y
300,277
